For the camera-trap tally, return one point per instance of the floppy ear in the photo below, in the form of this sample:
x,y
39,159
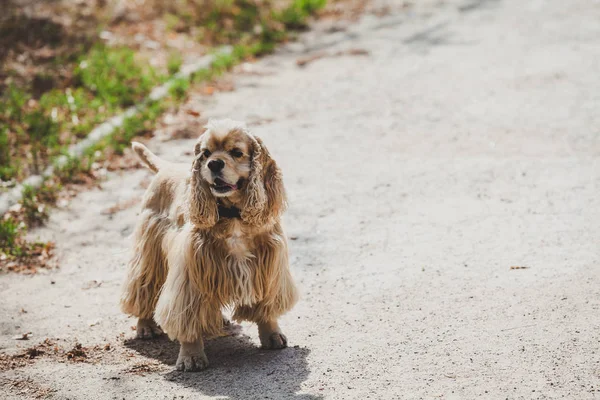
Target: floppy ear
x,y
265,194
202,205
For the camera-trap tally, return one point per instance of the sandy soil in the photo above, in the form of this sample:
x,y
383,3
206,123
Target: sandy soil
x,y
463,145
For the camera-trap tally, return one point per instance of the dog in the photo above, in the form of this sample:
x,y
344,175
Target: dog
x,y
210,238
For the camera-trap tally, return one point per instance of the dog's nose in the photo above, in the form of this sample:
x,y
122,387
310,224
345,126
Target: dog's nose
x,y
216,165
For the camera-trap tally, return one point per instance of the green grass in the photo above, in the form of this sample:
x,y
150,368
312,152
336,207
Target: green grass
x,y
136,125
238,21
32,133
179,88
72,167
43,135
33,210
174,63
9,234
7,168
114,76
295,15
14,102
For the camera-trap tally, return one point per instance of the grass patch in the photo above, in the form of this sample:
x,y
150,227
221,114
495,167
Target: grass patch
x,y
7,169
295,16
9,233
179,88
113,76
34,131
17,253
237,21
34,211
174,63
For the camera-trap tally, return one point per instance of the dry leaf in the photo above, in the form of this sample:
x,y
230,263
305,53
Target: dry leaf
x,y
208,90
192,112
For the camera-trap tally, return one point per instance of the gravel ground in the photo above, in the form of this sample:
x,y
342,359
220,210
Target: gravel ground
x,y
464,144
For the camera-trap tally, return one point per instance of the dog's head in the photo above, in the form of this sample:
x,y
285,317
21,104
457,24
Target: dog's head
x,y
234,166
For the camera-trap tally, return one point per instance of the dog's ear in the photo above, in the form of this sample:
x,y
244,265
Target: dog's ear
x,y
265,194
202,205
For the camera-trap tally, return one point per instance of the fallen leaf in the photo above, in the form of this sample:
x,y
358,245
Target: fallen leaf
x,y
192,112
208,90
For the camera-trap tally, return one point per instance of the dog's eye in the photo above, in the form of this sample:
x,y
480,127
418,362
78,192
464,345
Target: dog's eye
x,y
206,153
236,153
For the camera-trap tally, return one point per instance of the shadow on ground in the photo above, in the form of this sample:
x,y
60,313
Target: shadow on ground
x,y
238,368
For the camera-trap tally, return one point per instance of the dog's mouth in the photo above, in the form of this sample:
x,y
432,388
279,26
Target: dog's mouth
x,y
220,186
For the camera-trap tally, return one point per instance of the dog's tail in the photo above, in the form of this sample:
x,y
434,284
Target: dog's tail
x,y
151,160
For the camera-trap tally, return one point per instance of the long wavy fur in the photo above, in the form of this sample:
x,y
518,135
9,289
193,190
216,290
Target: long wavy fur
x,y
184,271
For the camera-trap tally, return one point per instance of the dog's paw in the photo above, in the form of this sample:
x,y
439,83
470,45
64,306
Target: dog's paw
x,y
275,341
147,329
191,362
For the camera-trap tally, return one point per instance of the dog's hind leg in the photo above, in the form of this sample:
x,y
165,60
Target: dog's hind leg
x,y
147,329
147,273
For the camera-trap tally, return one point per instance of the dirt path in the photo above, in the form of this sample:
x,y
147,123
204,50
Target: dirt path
x,y
465,143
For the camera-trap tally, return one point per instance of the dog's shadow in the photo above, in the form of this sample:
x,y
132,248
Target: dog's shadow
x,y
238,368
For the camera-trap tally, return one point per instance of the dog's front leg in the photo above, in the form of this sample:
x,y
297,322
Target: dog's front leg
x,y
271,336
191,356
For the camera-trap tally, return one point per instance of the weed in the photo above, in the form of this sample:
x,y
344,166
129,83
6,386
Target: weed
x,y
174,63
43,133
114,76
15,100
34,211
174,22
179,88
9,233
294,16
69,170
7,170
222,62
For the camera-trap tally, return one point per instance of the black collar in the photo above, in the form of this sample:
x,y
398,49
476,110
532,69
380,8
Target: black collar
x,y
225,212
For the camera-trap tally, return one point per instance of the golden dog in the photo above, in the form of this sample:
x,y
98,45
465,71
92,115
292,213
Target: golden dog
x,y
210,238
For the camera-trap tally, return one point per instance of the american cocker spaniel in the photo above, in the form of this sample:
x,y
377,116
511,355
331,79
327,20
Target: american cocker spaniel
x,y
208,238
